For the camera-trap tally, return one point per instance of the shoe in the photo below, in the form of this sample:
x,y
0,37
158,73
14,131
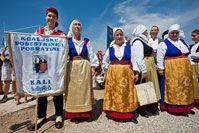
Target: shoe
x,y
76,120
153,110
32,127
134,120
192,112
4,99
59,124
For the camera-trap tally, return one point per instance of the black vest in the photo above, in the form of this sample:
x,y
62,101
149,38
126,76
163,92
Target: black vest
x,y
147,49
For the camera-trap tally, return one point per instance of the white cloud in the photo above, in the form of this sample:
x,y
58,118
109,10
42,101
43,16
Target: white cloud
x,y
139,14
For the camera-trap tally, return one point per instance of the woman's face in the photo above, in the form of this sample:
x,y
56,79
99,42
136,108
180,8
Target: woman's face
x,y
77,27
195,37
51,19
154,32
173,35
118,37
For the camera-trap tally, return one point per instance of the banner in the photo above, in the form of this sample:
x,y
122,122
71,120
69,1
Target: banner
x,y
109,35
39,63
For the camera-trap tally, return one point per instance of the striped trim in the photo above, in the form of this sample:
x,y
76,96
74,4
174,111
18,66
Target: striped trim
x,y
120,62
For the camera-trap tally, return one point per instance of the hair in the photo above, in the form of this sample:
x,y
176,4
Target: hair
x,y
51,10
156,27
164,33
196,31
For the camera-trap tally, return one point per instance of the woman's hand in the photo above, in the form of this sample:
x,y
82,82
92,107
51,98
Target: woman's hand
x,y
144,75
93,71
161,72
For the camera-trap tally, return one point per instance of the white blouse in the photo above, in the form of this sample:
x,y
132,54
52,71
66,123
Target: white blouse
x,y
91,55
153,43
194,54
119,53
162,48
138,49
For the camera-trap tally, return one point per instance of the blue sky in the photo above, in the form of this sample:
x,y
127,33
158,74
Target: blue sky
x,y
95,15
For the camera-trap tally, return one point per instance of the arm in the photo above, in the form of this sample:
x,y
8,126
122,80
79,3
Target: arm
x,y
92,58
162,48
138,50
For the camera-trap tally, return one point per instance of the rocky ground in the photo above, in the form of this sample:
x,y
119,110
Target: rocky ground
x,y
19,120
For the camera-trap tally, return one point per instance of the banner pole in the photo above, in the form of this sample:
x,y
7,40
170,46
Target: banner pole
x,y
40,29
36,110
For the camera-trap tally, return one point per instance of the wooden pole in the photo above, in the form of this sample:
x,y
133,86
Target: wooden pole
x,y
36,110
40,29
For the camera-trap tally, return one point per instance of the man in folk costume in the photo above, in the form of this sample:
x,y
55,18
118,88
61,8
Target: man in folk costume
x,y
79,96
50,29
120,97
177,93
146,64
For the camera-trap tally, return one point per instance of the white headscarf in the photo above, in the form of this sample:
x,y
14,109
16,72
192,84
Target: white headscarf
x,y
182,35
70,32
138,32
114,30
174,27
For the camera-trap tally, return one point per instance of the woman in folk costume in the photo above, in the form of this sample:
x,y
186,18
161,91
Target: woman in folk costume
x,y
177,92
195,58
79,93
50,29
146,64
120,98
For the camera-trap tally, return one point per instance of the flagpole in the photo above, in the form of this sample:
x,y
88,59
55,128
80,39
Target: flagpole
x,y
36,108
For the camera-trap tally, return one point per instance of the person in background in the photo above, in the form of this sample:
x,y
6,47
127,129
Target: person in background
x,y
1,84
177,96
195,59
127,39
6,73
146,64
50,29
120,97
165,34
79,95
154,41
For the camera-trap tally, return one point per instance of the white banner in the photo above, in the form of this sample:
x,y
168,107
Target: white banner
x,y
39,63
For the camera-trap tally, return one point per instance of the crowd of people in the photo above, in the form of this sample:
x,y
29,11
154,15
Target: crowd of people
x,y
169,63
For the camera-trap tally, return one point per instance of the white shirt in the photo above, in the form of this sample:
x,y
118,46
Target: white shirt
x,y
138,49
119,53
91,55
153,43
194,54
162,48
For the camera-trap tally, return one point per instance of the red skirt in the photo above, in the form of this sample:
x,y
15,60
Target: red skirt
x,y
78,115
120,115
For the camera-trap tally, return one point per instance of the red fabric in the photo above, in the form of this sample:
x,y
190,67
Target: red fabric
x,y
196,101
176,110
78,115
59,32
119,115
42,67
52,9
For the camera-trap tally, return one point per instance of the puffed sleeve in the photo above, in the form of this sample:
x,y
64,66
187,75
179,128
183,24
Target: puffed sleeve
x,y
133,61
138,49
106,60
162,48
92,56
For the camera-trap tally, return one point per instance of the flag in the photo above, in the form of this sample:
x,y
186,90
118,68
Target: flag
x,y
109,35
39,63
